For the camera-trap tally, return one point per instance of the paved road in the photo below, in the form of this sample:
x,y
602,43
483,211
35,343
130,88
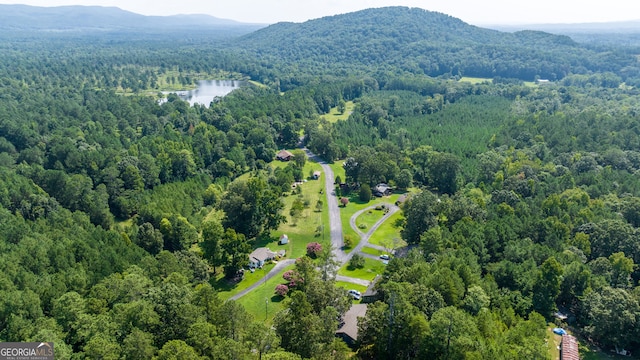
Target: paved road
x,y
364,238
273,272
335,231
335,224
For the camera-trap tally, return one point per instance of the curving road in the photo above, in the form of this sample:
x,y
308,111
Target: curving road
x,y
335,230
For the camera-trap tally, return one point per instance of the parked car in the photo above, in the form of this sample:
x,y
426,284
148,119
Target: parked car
x,y
355,294
385,257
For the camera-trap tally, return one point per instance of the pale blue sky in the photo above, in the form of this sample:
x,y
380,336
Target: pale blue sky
x,y
477,12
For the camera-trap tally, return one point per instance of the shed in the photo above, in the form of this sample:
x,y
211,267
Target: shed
x,y
348,330
284,155
284,239
569,348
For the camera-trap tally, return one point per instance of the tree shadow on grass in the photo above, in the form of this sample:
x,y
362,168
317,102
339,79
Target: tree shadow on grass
x,y
277,298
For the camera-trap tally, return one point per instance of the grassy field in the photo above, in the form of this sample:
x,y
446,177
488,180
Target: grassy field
x,y
553,341
299,234
254,302
304,231
390,229
474,80
367,219
334,115
370,270
372,251
226,290
356,205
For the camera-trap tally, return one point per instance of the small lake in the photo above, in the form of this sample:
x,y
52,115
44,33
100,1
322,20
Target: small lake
x,y
207,90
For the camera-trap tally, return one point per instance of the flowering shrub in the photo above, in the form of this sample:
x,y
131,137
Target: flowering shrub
x,y
313,249
288,275
282,290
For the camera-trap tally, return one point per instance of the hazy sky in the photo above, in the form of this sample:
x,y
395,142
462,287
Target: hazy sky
x,y
477,12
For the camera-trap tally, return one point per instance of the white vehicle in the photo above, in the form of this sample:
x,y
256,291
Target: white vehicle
x,y
385,257
354,294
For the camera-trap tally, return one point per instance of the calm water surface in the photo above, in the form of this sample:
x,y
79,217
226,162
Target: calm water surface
x,y
207,90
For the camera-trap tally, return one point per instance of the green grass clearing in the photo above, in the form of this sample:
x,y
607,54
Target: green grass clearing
x,y
389,230
334,115
474,80
369,272
367,219
356,205
226,290
254,302
372,251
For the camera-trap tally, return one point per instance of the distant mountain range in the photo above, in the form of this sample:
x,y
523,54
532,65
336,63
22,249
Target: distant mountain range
x,y
620,27
420,41
98,18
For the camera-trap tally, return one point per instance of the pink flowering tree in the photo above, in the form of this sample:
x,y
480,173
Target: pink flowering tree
x,y
313,249
282,290
293,277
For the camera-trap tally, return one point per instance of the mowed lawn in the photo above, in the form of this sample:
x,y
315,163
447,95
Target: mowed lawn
x,y
389,230
367,219
299,234
369,272
334,115
356,205
262,303
226,290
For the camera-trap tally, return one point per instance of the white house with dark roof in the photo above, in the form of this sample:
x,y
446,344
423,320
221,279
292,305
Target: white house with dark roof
x,y
260,256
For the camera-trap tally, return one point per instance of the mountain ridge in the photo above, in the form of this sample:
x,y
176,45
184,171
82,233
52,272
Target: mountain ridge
x,y
26,17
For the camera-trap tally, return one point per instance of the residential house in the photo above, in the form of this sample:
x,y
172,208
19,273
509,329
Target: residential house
x,y
372,294
382,189
284,155
260,256
348,330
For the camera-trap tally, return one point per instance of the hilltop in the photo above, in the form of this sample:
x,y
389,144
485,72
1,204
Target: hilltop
x,y
420,41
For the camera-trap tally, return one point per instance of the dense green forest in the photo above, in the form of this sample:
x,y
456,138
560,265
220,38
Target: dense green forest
x,y
122,215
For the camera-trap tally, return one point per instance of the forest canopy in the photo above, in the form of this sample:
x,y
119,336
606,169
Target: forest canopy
x,y
122,215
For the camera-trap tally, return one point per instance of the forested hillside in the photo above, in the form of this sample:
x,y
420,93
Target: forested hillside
x,y
126,222
422,42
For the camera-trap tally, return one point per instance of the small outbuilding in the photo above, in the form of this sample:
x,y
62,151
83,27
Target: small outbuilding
x,y
569,348
284,155
284,239
316,175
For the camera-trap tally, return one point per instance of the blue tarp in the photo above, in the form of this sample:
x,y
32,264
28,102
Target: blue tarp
x,y
559,331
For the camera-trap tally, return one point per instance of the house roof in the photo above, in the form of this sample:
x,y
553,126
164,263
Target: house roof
x,y
350,318
371,291
262,254
570,348
282,154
